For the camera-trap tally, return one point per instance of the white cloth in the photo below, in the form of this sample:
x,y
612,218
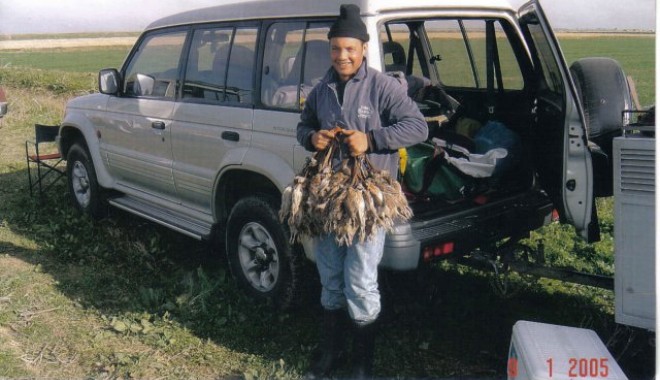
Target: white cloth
x,y
474,165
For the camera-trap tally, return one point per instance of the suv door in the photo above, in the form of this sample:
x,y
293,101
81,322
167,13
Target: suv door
x,y
560,146
213,119
296,56
136,134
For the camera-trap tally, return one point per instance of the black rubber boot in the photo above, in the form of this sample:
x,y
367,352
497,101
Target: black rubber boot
x,y
333,330
364,345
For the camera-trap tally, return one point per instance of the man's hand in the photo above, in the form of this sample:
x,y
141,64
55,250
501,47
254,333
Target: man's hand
x,y
358,142
322,138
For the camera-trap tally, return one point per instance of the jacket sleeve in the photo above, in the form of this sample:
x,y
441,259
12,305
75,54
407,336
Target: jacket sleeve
x,y
404,123
309,123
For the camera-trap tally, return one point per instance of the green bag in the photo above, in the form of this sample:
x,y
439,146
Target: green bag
x,y
429,174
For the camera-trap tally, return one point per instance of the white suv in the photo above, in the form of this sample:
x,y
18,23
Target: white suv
x,y
196,131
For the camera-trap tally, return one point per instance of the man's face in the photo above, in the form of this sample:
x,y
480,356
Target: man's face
x,y
347,54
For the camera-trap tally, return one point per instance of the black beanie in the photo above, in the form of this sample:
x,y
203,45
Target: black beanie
x,y
349,24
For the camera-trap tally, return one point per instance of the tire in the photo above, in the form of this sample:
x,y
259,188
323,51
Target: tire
x,y
261,259
84,190
604,92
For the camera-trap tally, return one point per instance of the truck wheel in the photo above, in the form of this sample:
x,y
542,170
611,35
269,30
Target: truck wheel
x,y
604,92
260,257
84,190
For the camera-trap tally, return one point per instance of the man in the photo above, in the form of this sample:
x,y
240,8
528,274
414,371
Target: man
x,y
379,118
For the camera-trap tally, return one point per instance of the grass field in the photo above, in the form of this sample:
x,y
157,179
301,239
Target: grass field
x,y
634,53
124,298
70,60
66,36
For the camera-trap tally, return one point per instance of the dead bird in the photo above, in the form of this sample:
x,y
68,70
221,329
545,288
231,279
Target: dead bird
x,y
285,203
352,201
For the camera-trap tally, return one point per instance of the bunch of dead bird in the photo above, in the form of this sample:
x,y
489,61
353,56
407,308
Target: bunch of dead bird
x,y
352,201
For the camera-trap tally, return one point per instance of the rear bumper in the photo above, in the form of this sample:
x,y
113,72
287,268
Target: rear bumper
x,y
467,229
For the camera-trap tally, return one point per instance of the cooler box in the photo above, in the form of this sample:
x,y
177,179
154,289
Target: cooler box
x,y
544,351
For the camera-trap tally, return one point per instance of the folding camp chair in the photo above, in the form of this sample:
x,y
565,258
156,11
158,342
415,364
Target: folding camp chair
x,y
48,171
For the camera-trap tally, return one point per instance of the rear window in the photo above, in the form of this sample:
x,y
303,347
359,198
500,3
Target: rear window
x,y
456,52
296,57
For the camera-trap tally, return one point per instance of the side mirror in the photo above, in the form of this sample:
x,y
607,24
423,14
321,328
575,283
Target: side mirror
x,y
109,80
143,85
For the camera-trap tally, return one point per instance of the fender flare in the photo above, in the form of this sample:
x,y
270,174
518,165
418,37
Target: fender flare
x,y
273,167
261,162
78,122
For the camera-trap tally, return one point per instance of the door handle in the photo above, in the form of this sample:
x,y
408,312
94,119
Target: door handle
x,y
158,125
231,136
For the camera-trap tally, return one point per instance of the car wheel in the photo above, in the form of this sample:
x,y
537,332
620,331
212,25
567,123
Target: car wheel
x,y
261,259
84,190
604,93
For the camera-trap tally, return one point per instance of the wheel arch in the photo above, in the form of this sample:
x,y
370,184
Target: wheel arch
x,y
260,172
71,134
236,183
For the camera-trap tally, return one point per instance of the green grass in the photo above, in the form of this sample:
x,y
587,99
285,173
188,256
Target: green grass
x,y
126,298
61,83
634,53
70,60
563,248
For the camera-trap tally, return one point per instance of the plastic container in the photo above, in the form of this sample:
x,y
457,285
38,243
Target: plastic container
x,y
544,351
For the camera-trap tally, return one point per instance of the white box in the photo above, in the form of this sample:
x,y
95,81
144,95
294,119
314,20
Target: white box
x,y
634,231
544,351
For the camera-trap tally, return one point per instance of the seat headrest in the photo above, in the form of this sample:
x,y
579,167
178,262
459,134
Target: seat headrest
x,y
398,54
241,56
317,62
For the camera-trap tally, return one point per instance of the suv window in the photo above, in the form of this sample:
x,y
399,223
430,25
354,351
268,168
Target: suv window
x,y
291,67
459,51
401,48
551,71
153,69
221,65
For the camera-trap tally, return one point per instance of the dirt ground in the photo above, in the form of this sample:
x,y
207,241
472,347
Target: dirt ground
x,y
51,43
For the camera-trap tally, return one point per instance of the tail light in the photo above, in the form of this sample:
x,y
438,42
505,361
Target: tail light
x,y
438,250
555,215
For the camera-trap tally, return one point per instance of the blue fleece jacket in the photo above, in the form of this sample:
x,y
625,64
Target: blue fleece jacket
x,y
374,103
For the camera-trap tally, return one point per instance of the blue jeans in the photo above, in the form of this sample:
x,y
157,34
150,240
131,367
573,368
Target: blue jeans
x,y
349,275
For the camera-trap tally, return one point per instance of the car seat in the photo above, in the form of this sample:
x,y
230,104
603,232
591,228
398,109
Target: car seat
x,y
240,76
398,56
316,56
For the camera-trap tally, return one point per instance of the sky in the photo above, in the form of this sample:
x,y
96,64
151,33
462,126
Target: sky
x,y
74,16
